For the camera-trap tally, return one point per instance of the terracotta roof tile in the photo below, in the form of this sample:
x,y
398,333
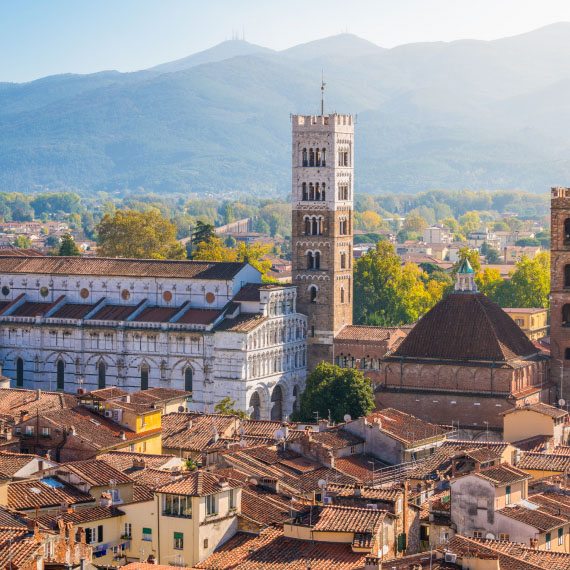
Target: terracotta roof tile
x,y
79,516
361,467
115,267
347,519
199,316
536,518
503,474
129,462
271,550
31,309
199,484
94,472
466,326
154,478
11,463
13,401
405,427
368,333
17,548
337,438
242,323
113,313
195,432
540,461
156,314
23,495
540,408
72,311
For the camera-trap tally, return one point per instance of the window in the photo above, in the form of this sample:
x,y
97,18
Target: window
x,y
312,330
342,294
177,506
128,530
477,534
305,162
101,375
567,353
19,372
29,430
178,541
313,293
508,494
115,495
146,533
211,505
60,377
188,379
232,499
304,191
503,536
343,260
94,534
144,376
548,541
205,543
560,536
567,231
45,432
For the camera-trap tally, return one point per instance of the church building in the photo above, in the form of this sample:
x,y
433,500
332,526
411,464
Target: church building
x,y
76,324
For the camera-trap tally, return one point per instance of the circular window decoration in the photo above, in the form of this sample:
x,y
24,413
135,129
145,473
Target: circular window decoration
x,y
84,293
44,291
5,290
210,297
167,296
125,295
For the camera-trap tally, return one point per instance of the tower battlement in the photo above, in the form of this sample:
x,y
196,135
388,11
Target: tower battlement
x,y
333,120
559,192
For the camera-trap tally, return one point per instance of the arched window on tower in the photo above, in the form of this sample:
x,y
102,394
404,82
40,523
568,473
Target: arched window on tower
x,y
567,275
567,231
315,231
277,404
324,157
323,198
255,404
342,294
343,260
317,157
188,379
311,157
19,372
101,375
311,191
566,315
305,161
313,293
310,260
317,258
60,375
145,371
305,193
317,192
307,226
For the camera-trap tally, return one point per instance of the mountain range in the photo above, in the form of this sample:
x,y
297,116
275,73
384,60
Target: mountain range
x,y
466,114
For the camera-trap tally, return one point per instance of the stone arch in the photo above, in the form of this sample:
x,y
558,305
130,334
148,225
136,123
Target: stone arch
x,y
277,397
313,292
255,406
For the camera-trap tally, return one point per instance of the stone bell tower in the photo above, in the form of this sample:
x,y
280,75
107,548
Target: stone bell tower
x,y
321,241
560,291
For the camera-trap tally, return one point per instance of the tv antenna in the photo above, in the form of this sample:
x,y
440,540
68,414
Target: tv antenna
x,y
323,85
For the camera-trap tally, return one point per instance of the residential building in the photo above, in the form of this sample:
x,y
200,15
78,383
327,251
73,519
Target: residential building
x,y
536,419
533,322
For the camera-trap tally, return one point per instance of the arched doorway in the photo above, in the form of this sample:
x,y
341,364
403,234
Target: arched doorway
x,y
255,405
60,376
19,372
188,379
277,404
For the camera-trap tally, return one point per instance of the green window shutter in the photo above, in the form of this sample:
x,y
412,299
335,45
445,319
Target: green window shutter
x,y
402,542
178,535
147,531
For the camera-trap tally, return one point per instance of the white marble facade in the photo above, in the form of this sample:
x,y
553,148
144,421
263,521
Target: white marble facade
x,y
81,323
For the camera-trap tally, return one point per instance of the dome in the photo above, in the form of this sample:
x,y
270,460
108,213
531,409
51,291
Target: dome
x,y
466,327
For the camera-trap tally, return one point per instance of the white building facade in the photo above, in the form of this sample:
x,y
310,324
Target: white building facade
x,y
213,329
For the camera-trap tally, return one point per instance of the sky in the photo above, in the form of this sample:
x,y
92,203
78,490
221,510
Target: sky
x,y
47,37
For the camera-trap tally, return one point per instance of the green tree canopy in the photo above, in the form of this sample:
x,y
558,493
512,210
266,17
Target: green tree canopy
x,y
68,247
226,407
132,234
338,391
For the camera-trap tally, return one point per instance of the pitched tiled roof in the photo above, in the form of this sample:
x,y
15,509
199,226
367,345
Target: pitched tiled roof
x,y
405,427
112,312
511,555
116,267
95,472
13,401
540,408
503,474
557,504
156,314
142,494
242,323
466,326
271,550
348,519
361,467
264,508
363,492
464,444
336,438
535,518
11,463
249,292
79,516
17,548
368,333
259,428
72,311
154,478
541,461
125,460
23,495
199,484
10,519
31,309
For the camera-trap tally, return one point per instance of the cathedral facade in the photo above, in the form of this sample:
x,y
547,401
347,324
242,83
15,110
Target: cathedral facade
x,y
77,324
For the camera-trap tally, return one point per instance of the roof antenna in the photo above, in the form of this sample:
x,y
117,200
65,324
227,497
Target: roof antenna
x,y
323,84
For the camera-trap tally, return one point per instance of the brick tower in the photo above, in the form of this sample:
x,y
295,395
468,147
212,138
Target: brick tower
x,y
322,184
560,291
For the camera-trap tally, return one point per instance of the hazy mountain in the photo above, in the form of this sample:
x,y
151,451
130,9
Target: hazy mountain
x,y
465,114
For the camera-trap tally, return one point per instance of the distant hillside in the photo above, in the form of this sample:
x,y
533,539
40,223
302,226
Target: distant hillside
x,y
465,114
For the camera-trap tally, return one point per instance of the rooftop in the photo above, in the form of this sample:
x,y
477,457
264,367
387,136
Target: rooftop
x,y
539,408
199,484
538,519
503,474
48,492
95,472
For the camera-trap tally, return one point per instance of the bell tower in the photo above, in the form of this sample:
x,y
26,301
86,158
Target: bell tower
x,y
322,225
560,291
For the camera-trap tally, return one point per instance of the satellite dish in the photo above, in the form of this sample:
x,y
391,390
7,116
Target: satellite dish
x,y
279,434
181,408
322,483
347,418
490,536
562,402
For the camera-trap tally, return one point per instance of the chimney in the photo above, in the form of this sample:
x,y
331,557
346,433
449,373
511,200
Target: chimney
x,y
105,500
534,543
72,430
38,394
372,563
23,415
128,399
122,435
323,425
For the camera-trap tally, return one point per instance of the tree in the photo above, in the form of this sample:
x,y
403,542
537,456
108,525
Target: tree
x,y
23,241
472,255
203,232
530,282
414,223
226,407
132,234
489,282
68,247
470,221
336,391
490,253
525,242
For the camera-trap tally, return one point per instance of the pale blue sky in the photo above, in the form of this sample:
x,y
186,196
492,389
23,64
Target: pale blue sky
x,y
44,37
